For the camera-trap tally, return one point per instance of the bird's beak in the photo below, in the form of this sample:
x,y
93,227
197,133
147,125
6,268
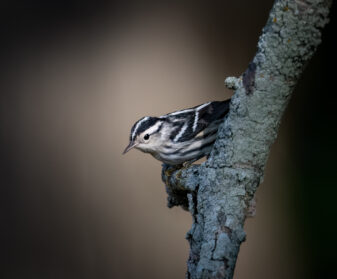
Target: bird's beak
x,y
130,146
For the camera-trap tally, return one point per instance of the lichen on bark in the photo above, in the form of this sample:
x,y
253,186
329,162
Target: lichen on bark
x,y
218,192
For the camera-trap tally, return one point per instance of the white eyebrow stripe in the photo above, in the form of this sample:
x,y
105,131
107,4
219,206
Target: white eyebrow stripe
x,y
182,131
203,105
137,126
153,128
196,118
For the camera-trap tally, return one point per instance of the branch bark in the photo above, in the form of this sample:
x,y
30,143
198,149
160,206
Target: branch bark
x,y
218,192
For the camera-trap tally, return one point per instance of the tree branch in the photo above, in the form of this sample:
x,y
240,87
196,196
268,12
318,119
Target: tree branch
x,y
218,192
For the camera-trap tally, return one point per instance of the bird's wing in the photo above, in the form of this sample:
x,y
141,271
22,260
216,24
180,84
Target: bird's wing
x,y
193,122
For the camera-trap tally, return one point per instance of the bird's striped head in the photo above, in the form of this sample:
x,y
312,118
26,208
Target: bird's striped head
x,y
144,132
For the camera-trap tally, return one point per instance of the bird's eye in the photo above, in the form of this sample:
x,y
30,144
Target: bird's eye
x,y
147,136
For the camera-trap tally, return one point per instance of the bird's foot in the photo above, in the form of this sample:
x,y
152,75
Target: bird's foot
x,y
169,170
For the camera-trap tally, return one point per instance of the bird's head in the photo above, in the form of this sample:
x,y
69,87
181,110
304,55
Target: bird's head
x,y
145,134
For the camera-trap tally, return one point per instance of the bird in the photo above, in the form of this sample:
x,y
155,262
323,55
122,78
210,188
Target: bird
x,y
179,137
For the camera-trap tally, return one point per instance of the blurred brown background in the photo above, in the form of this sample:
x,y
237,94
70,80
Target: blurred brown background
x,y
75,76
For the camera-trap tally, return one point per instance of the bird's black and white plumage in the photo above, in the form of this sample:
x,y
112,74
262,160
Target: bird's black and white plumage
x,y
180,136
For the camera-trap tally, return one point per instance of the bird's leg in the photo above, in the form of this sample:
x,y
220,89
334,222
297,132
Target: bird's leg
x,y
187,164
176,196
169,170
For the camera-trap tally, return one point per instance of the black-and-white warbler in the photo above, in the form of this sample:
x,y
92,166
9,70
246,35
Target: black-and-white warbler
x,y
181,136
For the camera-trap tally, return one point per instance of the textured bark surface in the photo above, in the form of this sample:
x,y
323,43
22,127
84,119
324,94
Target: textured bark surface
x,y
218,192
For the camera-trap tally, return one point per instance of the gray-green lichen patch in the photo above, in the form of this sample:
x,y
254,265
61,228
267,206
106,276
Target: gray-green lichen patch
x,y
218,191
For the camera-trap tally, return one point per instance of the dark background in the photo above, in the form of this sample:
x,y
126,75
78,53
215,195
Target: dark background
x,y
74,78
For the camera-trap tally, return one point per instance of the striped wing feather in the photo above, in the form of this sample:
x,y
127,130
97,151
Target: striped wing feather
x,y
196,120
